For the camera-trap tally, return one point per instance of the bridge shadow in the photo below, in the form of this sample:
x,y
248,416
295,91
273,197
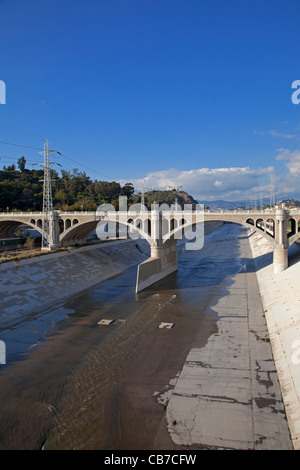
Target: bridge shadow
x,y
260,262
209,273
294,254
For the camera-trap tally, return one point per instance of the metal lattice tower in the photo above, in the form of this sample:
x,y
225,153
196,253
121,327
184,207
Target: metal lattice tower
x,y
143,197
48,240
272,191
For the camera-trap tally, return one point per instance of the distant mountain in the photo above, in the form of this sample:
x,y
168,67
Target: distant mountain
x,y
230,205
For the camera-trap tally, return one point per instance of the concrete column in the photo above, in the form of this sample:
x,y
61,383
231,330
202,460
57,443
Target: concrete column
x,y
156,251
280,252
156,225
280,259
55,229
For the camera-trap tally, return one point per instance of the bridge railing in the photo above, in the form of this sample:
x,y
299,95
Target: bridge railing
x,y
294,211
17,214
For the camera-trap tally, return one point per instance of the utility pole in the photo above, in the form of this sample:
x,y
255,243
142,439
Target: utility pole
x,y
48,238
143,197
272,192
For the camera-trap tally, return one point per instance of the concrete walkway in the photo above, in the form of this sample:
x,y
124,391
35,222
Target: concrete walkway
x,y
281,300
227,394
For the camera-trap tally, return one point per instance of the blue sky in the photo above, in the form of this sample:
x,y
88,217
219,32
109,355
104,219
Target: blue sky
x,y
185,93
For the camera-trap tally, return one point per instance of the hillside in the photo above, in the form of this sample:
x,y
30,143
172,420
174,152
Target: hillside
x,y
220,204
165,196
23,190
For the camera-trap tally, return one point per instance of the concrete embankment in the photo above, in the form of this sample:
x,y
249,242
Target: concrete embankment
x,y
31,285
227,394
281,301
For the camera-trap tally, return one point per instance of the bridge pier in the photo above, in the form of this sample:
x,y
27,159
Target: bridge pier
x,y
54,236
280,259
280,251
163,261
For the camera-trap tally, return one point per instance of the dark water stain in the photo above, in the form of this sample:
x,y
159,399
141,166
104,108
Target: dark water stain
x,y
86,386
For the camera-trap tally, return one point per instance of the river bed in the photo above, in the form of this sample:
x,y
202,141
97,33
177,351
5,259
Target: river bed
x,y
71,383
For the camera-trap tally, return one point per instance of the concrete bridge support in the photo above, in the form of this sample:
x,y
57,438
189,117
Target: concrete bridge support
x,y
54,242
280,251
163,261
280,259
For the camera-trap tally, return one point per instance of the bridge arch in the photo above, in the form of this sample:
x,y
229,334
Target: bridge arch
x,y
294,238
292,227
294,233
179,230
260,223
74,233
138,223
10,225
81,230
67,224
147,226
173,224
61,225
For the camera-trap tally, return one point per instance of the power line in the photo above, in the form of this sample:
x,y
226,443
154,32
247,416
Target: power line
x,y
5,157
65,156
18,145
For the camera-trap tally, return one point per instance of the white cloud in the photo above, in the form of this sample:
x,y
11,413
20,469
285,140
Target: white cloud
x,y
274,133
287,182
235,183
232,183
291,160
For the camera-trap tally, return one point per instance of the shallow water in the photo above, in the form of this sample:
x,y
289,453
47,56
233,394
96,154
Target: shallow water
x,y
70,383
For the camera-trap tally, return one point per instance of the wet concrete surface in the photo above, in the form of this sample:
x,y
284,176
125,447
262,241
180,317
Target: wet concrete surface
x,y
89,386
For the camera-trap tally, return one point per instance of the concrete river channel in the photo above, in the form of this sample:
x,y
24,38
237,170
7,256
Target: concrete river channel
x,y
209,382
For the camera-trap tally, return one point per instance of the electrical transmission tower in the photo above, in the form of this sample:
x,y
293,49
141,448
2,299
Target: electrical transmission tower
x,y
143,197
272,191
48,239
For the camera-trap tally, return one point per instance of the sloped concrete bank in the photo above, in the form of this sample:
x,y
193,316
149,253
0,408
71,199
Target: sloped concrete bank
x,y
281,301
227,395
32,285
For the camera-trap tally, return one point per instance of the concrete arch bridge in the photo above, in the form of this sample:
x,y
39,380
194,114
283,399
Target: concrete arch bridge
x,y
161,227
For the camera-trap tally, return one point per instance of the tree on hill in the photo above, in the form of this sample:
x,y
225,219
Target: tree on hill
x,y
169,197
22,163
22,189
72,190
